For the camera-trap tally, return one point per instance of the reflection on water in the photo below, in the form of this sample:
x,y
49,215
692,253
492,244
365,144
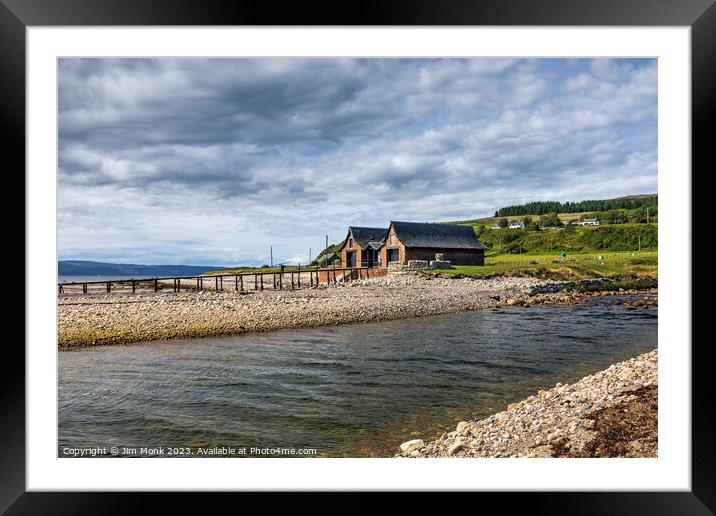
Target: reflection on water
x,y
355,391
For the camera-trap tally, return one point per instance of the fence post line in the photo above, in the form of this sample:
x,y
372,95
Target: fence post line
x,y
256,282
262,280
241,279
236,281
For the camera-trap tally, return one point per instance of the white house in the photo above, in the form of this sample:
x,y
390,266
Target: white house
x,y
517,225
588,222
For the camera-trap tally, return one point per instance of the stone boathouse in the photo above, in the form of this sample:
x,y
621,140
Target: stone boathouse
x,y
361,247
405,241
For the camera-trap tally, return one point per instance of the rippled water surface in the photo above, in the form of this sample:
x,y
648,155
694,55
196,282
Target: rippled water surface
x,y
355,391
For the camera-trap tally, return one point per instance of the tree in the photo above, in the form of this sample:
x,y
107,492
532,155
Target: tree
x,y
497,214
503,223
551,220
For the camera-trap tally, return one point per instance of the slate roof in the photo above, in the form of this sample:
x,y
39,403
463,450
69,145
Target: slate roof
x,y
327,256
364,236
443,236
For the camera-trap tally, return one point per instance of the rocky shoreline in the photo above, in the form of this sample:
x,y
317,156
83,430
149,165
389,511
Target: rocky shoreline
x,y
612,413
122,318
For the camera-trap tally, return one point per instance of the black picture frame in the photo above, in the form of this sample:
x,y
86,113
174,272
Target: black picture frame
x,y
17,15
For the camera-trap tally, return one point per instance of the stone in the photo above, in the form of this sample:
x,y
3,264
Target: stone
x,y
462,427
458,445
409,446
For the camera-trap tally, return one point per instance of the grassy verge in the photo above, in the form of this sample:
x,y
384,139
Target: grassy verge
x,y
571,267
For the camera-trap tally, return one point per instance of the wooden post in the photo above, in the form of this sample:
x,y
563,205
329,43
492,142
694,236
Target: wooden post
x,y
236,280
84,288
299,275
241,279
197,285
256,282
109,287
60,291
134,286
201,283
156,285
262,281
216,283
291,280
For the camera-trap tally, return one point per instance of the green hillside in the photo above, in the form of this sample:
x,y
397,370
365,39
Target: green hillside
x,y
631,209
572,239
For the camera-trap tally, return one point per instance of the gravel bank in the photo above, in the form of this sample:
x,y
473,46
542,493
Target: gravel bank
x,y
612,413
99,319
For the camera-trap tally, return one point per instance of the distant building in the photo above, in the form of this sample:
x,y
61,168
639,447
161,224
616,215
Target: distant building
x,y
588,222
328,258
517,225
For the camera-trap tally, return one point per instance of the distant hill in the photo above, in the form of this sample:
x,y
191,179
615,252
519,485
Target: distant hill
x,y
87,268
569,210
628,202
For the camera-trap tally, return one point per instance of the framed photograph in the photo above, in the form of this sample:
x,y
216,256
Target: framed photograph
x,y
414,250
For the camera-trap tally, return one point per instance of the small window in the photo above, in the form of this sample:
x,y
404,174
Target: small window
x,y
350,242
392,239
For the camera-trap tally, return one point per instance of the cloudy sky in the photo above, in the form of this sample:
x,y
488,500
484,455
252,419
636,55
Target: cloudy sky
x,y
211,161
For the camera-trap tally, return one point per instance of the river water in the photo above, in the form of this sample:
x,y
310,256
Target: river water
x,y
346,391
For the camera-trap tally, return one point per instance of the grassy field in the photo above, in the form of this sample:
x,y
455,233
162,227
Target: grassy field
x,y
571,267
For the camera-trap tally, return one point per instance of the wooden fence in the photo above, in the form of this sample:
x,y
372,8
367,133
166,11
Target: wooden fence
x,y
244,282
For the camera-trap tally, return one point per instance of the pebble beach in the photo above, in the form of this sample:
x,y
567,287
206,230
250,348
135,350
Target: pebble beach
x,y
101,319
612,413
123,318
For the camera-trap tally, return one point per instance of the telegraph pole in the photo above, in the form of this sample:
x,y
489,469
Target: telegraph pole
x,y
647,214
271,256
309,256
